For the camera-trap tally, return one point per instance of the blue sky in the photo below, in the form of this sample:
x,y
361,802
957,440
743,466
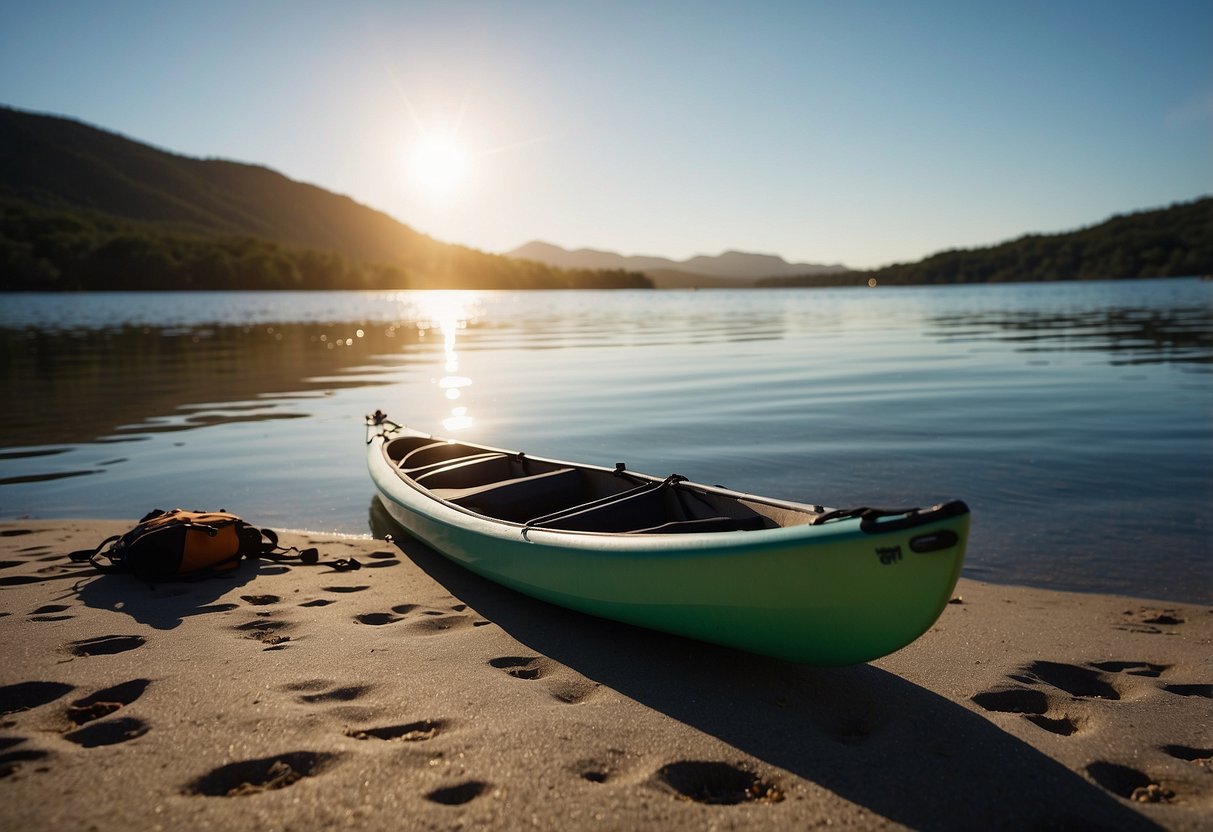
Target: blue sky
x,y
854,132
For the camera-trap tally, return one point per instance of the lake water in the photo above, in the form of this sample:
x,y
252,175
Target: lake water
x,y
1074,418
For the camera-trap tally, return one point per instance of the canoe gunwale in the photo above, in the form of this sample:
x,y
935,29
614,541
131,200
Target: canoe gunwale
x,y
384,436
871,521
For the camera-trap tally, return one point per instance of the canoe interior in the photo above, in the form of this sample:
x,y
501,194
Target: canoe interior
x,y
548,494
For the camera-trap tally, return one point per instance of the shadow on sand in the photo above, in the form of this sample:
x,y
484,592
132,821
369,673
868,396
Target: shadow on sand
x,y
871,737
164,605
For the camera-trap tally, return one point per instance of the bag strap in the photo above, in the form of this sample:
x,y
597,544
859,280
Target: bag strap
x,y
94,556
271,550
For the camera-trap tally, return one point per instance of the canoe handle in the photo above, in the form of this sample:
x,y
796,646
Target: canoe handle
x,y
876,520
880,520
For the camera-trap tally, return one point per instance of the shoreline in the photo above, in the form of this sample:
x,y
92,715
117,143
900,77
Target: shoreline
x,y
413,693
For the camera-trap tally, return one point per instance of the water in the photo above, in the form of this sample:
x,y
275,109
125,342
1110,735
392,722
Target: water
x,y
1073,418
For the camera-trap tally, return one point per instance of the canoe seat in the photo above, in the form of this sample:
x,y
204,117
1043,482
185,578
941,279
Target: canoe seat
x,y
516,500
426,454
469,472
421,470
707,524
654,508
641,508
401,446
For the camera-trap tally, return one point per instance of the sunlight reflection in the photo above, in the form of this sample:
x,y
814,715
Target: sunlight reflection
x,y
458,419
448,313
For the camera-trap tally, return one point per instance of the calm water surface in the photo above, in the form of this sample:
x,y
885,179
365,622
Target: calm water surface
x,y
1075,419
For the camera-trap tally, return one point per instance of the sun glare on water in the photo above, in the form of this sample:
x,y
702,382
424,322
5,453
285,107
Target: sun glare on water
x,y
440,164
447,314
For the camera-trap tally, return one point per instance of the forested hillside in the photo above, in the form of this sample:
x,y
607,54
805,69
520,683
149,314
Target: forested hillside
x,y
82,208
47,250
1168,242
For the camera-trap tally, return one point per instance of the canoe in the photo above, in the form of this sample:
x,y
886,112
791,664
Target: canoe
x,y
795,581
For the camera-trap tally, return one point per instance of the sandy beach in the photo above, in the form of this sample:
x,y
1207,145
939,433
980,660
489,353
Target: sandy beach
x,y
410,694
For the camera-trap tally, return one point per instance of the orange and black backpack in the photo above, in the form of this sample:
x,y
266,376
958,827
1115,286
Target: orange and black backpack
x,y
186,544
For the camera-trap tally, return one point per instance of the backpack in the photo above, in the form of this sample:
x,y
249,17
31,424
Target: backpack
x,y
181,544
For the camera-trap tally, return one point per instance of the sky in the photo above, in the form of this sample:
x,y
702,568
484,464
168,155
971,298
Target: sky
x,y
861,133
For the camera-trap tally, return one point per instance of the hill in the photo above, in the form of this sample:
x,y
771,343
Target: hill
x,y
731,268
1176,241
80,207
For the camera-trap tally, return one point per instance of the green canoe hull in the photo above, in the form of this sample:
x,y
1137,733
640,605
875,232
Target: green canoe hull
x,y
828,594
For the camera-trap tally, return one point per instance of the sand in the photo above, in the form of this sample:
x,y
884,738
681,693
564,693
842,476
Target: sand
x,y
410,694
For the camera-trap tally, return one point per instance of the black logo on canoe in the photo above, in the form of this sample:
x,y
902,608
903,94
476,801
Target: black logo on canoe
x,y
888,554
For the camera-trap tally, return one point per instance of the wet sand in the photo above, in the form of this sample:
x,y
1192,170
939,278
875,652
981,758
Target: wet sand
x,y
410,694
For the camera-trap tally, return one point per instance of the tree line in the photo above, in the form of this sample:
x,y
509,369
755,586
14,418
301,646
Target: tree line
x,y
1168,242
43,249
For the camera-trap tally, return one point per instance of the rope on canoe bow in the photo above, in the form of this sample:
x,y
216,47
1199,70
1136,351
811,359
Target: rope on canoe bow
x,y
380,420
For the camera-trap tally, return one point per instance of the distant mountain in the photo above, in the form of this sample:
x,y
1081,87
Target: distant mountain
x,y
58,162
135,207
732,268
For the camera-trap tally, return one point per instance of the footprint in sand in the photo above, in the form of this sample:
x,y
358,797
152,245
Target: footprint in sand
x,y
1151,620
1202,757
434,626
38,552
572,692
339,701
717,783
49,612
11,762
378,619
1041,705
1129,783
85,712
105,645
428,621
21,580
30,554
529,668
249,777
1132,668
523,667
601,768
260,600
1074,680
319,691
458,794
104,702
419,731
24,696
266,630
433,622
108,732
213,608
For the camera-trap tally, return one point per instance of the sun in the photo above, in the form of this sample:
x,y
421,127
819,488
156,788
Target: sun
x,y
440,164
